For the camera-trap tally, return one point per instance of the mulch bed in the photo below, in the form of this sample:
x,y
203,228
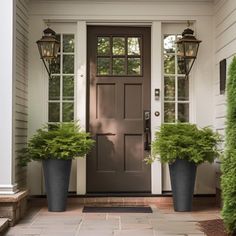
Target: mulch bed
x,y
213,227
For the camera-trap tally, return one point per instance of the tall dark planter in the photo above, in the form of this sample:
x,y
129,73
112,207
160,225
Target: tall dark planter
x,y
182,176
56,176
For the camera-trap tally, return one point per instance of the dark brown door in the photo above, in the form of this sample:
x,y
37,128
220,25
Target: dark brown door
x,y
118,95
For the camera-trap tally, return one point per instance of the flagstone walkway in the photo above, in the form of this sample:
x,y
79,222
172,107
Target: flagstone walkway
x,y
162,222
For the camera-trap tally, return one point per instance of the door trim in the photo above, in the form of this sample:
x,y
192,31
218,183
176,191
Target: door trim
x,y
81,88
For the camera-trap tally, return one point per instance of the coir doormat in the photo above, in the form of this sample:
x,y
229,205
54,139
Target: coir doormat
x,y
117,209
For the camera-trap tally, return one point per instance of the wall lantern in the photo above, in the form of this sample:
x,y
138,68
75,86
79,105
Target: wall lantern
x,y
48,47
187,49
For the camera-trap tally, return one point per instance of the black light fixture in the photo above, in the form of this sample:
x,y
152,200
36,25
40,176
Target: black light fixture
x,y
187,49
48,47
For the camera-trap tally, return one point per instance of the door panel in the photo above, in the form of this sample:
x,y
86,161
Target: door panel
x,y
105,152
106,101
133,156
133,101
118,93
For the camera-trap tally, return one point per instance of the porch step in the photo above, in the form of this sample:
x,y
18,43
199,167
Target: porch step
x,y
4,224
13,206
95,200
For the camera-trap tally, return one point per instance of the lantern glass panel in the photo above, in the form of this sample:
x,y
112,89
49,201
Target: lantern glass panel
x,y
47,50
189,62
56,49
190,49
180,50
180,65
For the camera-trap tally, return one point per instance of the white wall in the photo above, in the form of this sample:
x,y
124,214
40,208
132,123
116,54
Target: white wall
x,y
21,84
7,67
13,92
225,48
119,13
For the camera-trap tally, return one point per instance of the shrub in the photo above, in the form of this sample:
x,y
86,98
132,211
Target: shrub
x,y
185,141
228,167
59,141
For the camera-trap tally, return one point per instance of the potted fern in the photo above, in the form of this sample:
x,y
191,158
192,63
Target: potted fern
x,y
184,146
56,145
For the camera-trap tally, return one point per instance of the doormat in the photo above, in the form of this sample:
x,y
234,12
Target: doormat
x,y
117,209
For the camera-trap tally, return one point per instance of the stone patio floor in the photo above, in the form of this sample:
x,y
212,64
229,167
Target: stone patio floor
x,y
162,222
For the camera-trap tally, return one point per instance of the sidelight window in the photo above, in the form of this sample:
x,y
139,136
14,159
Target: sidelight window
x,y
61,84
176,85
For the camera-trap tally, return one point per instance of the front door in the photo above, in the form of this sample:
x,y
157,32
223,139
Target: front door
x,y
119,108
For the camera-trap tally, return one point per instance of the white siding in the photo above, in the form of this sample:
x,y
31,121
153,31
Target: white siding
x,y
20,84
225,41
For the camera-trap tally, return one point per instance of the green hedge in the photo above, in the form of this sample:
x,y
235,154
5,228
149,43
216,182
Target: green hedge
x,y
228,180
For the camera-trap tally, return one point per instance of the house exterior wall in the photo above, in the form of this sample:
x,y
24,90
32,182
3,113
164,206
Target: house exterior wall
x,y
7,66
154,14
225,48
21,85
13,105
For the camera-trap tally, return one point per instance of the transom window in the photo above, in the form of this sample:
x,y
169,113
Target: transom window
x,y
61,84
119,56
176,85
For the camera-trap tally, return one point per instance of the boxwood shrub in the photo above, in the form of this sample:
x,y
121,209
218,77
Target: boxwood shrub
x,y
185,141
58,141
228,167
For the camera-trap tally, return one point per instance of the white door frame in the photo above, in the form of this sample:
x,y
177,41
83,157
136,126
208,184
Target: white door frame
x,y
156,82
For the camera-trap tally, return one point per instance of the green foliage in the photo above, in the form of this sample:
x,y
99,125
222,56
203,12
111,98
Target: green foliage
x,y
185,141
61,141
228,180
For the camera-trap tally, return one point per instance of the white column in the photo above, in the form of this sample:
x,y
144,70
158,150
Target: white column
x,y
7,11
156,83
81,74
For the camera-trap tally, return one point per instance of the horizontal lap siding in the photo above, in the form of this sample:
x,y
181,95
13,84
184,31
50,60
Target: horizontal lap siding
x,y
225,38
21,85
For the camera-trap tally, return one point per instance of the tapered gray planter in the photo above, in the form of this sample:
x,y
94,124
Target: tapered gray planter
x,y
182,176
56,176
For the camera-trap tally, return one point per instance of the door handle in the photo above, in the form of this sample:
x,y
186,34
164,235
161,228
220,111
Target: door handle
x,y
147,129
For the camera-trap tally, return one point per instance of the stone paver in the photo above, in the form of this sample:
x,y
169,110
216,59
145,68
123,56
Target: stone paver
x,y
86,232
162,222
135,232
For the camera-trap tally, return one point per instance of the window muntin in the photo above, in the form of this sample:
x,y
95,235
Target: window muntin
x,y
61,84
119,56
176,85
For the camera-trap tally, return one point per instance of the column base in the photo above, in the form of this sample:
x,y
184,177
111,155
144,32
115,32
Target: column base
x,y
13,206
8,189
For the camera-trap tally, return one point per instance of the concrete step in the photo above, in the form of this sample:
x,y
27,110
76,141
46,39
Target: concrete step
x,y
4,224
